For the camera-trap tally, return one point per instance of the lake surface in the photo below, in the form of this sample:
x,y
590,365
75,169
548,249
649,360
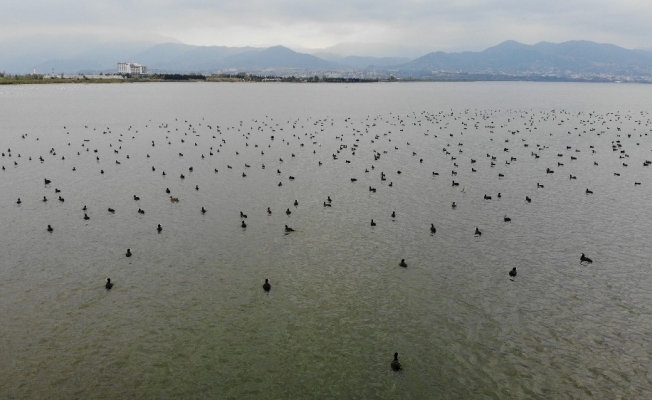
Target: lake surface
x,y
188,318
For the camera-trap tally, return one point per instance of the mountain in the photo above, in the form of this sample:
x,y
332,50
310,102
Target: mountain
x,y
510,57
507,60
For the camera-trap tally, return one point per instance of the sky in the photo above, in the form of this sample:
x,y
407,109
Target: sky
x,y
422,25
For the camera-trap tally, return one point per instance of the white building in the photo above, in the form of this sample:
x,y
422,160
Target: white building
x,y
131,68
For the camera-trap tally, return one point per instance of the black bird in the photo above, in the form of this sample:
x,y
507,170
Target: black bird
x,y
243,225
111,210
393,214
288,212
583,258
589,191
140,211
327,204
403,263
128,253
432,228
477,232
108,285
47,181
203,210
512,273
85,208
296,203
266,285
395,364
86,217
529,200
507,219
136,198
167,190
288,229
50,228
243,215
159,229
453,205
372,222
45,198
269,211
18,202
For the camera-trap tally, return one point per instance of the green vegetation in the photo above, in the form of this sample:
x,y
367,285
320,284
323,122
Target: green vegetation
x,y
8,79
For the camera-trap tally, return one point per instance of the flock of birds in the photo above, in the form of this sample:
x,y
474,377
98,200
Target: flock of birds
x,y
371,140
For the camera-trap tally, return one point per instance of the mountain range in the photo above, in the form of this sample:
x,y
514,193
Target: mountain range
x,y
509,58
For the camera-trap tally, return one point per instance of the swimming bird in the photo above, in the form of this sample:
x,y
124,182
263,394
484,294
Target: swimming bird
x,y
507,219
583,258
136,198
432,228
243,215
288,212
269,211
453,205
372,222
512,273
243,224
18,202
326,204
84,208
529,200
477,232
108,285
395,364
487,197
393,214
111,210
47,181
174,199
159,228
86,217
203,210
296,203
45,198
140,211
50,228
128,253
403,263
288,229
589,191
266,285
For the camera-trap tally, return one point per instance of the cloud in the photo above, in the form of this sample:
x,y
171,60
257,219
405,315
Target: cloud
x,y
431,25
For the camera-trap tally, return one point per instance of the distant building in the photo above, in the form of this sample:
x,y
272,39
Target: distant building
x,y
131,68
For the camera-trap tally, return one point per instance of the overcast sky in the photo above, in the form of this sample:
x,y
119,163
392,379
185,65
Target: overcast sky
x,y
429,25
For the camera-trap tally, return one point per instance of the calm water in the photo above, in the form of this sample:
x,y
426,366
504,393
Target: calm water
x,y
187,317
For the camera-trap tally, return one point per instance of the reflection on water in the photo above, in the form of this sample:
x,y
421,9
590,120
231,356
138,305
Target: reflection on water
x,y
187,315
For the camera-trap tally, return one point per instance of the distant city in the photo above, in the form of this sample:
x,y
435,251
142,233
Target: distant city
x,y
580,61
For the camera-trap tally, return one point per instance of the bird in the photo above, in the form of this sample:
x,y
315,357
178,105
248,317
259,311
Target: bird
x,y
507,219
589,191
288,229
403,263
136,198
477,232
288,212
50,228
108,285
585,259
45,198
327,204
47,181
159,228
85,208
167,190
393,214
296,203
432,228
266,285
243,224
18,202
372,222
203,210
243,215
453,205
512,273
128,253
111,210
529,200
395,364
86,217
269,211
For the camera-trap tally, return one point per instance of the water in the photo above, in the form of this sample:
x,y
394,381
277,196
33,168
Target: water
x,y
187,316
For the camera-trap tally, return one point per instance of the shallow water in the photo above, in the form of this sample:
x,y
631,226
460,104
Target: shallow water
x,y
187,316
